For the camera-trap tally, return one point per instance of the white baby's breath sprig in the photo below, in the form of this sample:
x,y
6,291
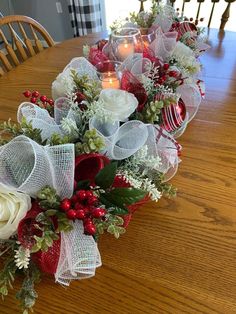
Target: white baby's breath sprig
x,y
22,257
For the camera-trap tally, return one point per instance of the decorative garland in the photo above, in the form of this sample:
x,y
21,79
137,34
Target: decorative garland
x,y
77,166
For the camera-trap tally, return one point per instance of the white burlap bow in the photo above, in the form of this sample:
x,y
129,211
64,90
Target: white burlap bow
x,y
123,141
79,255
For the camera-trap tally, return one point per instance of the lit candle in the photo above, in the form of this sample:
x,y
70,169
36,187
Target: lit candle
x,y
145,41
110,80
124,50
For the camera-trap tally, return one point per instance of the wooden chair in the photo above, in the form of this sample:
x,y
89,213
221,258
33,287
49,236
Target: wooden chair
x,y
22,38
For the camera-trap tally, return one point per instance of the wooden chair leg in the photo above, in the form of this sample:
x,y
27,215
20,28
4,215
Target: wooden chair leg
x,y
225,16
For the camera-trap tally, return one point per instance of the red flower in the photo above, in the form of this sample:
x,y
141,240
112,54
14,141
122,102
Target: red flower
x,y
87,166
96,56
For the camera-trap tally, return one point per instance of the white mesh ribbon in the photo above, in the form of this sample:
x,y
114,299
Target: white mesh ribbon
x,y
83,67
123,141
164,44
165,18
137,65
64,85
160,143
191,96
28,167
39,118
79,255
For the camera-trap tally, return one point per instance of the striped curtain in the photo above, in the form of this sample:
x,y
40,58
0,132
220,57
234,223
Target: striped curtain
x,y
85,16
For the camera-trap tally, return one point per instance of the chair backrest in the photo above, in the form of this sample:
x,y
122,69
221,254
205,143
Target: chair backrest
x,y
22,37
198,18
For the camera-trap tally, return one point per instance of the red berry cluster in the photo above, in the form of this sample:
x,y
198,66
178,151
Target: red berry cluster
x,y
165,74
36,98
83,206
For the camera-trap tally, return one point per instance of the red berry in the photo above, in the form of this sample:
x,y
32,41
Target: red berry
x,y
191,19
65,204
78,206
82,195
74,199
201,19
50,102
33,100
89,194
166,66
160,81
87,221
43,98
71,214
92,200
89,229
98,212
173,74
35,94
80,214
164,78
27,93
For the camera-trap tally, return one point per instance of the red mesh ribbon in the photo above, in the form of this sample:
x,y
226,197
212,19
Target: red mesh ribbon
x,y
46,261
119,182
132,85
149,54
27,230
96,56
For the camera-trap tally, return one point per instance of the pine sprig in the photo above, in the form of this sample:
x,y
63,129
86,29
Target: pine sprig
x,y
88,87
27,295
7,276
24,128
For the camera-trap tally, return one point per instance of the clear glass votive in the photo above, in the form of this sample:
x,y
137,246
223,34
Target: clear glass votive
x,y
148,38
109,73
125,42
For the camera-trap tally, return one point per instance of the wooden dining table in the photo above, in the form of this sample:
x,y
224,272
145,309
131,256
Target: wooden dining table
x,y
178,255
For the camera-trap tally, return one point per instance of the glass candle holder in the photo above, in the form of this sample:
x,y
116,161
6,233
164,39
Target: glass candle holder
x,y
125,42
148,38
109,73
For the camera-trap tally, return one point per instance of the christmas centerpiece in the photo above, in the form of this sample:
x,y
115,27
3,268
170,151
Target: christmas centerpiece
x,y
80,164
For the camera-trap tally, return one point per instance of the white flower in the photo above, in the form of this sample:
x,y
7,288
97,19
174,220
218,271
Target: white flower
x,y
185,58
120,104
63,84
13,208
22,257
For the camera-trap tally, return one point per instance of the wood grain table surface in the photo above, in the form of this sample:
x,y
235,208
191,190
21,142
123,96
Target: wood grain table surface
x,y
178,255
